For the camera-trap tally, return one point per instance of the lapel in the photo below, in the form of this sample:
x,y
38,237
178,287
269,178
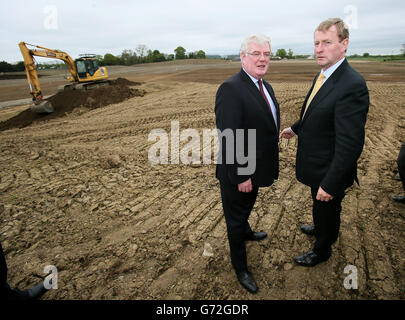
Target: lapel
x,y
259,98
323,92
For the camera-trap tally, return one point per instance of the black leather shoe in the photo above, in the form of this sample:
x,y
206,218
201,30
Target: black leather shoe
x,y
309,230
257,236
32,293
310,259
247,281
400,199
36,291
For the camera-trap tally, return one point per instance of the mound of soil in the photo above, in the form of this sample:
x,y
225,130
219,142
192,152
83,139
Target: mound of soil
x,y
124,82
65,102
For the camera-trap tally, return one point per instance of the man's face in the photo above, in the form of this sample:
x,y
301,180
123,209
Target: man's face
x,y
256,61
328,49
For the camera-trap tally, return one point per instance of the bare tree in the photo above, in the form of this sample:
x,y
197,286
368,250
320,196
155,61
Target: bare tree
x,y
141,50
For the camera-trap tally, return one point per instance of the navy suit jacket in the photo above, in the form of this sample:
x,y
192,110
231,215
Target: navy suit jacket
x,y
331,134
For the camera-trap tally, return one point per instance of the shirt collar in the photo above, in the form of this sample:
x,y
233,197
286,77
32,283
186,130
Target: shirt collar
x,y
251,77
328,72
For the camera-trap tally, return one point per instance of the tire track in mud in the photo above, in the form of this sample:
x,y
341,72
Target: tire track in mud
x,y
365,243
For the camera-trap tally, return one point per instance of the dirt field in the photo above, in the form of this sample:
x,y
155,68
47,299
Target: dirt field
x,y
78,192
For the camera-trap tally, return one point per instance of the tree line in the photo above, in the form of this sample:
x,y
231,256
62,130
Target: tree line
x,y
142,54
282,53
8,67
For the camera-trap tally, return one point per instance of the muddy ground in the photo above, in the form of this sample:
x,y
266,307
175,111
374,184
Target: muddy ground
x,y
79,193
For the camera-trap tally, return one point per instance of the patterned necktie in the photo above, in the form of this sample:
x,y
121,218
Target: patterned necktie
x,y
265,98
317,86
262,91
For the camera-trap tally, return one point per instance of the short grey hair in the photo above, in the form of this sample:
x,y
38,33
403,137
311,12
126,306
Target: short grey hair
x,y
256,38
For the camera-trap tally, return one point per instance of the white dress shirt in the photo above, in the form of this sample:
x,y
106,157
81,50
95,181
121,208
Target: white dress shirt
x,y
328,72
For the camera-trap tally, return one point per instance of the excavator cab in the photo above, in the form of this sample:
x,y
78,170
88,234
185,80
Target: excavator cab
x,y
88,68
81,69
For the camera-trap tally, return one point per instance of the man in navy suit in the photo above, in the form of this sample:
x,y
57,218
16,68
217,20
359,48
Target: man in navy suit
x,y
246,110
330,136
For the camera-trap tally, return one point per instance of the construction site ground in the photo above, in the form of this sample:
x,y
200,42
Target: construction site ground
x,y
77,191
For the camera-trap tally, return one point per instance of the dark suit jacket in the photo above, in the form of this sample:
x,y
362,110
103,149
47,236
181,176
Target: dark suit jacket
x,y
240,105
331,134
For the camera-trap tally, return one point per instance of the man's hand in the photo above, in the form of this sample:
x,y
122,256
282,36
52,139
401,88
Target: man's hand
x,y
245,186
323,196
287,133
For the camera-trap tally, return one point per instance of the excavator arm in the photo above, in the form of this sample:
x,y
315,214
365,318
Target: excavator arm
x,y
31,70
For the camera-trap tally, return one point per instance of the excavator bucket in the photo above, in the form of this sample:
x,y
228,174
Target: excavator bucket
x,y
42,107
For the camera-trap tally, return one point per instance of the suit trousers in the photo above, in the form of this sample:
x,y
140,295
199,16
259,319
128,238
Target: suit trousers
x,y
401,164
326,217
237,207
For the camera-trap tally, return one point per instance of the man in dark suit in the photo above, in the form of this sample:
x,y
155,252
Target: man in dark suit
x,y
330,136
248,121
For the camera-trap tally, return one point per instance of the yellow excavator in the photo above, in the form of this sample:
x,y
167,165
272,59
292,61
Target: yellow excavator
x,y
85,73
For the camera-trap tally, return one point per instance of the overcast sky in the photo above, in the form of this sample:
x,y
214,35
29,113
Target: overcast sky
x,y
215,26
